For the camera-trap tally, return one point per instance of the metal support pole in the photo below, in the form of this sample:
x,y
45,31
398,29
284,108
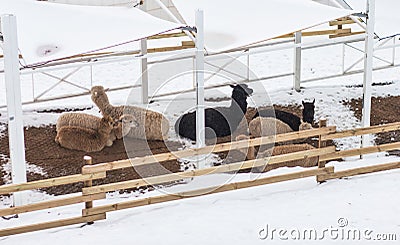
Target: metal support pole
x,y
343,57
200,114
368,66
145,76
248,65
14,105
297,62
394,51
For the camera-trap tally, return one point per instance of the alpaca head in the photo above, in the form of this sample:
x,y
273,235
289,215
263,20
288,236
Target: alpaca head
x,y
305,126
241,90
106,125
308,111
239,95
99,95
127,122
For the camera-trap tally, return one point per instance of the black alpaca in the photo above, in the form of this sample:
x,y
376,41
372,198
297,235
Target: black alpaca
x,y
290,119
219,121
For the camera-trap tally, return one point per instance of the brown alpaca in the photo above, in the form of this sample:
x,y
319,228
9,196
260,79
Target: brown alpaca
x,y
125,122
152,125
265,126
280,150
85,139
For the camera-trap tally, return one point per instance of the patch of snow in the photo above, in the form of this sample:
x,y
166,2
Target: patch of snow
x,y
7,169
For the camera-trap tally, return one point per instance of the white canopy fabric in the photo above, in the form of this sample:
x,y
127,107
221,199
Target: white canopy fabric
x,y
49,31
387,18
231,24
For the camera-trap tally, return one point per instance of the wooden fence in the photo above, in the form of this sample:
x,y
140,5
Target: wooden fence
x,y
91,172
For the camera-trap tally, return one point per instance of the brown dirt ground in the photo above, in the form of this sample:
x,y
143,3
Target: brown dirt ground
x,y
42,151
384,110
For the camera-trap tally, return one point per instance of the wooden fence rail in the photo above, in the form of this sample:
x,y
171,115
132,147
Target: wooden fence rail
x,y
358,171
90,172
8,189
361,131
51,224
206,191
51,204
268,161
205,150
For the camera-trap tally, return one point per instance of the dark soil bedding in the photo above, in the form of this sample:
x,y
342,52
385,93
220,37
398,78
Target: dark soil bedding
x,y
384,110
42,151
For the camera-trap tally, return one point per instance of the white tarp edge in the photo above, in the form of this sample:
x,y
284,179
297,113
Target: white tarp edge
x,y
387,18
231,24
48,31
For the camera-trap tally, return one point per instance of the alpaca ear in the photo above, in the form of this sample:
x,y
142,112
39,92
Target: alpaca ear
x,y
302,102
232,86
313,101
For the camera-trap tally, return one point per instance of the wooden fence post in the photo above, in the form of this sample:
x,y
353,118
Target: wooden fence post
x,y
321,144
88,161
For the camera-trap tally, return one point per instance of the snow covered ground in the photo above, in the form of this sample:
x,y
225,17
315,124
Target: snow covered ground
x,y
367,205
238,217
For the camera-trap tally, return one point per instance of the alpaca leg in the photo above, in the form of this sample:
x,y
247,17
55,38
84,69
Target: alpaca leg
x,y
109,143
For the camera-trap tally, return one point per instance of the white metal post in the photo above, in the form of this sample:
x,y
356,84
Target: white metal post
x,y
394,51
368,66
200,114
145,76
343,57
14,105
297,61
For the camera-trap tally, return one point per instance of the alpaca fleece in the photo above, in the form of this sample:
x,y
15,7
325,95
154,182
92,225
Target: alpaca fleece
x,y
290,119
125,123
265,126
85,139
220,121
92,122
152,125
